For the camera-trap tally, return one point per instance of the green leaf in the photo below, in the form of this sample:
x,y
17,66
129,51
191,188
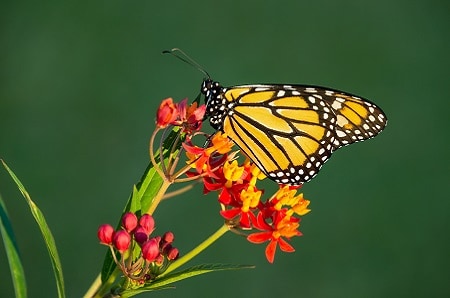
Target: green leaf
x,y
171,278
149,188
12,253
46,233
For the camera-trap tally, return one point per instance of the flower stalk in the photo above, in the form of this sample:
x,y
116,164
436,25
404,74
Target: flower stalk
x,y
198,249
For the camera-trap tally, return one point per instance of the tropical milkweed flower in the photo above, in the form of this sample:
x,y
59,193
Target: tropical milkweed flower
x,y
242,201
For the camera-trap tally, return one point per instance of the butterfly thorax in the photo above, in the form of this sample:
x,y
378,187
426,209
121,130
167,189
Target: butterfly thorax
x,y
216,108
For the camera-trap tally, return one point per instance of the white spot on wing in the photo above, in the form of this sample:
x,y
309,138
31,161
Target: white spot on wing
x,y
310,90
340,133
281,93
341,120
336,105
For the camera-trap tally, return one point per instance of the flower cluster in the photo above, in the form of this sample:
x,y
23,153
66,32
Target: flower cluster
x,y
154,253
190,118
275,219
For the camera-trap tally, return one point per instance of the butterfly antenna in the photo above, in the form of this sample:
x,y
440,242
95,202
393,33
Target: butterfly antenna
x,y
178,53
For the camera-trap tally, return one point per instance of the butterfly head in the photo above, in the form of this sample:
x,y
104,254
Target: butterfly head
x,y
215,103
210,89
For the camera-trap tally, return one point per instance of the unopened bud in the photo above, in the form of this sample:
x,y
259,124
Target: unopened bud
x,y
173,254
140,235
122,240
150,250
129,221
168,237
105,234
148,223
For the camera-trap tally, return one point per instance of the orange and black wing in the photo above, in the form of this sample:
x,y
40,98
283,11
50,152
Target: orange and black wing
x,y
290,131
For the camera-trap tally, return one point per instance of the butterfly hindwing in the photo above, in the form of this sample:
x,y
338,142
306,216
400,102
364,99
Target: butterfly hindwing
x,y
357,119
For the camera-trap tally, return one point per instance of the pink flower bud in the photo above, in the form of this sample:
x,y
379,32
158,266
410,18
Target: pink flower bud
x,y
150,250
105,234
168,237
148,223
165,247
140,235
122,240
129,221
158,240
173,254
159,260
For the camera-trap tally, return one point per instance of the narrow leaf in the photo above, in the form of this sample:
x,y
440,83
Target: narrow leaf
x,y
46,233
12,253
171,278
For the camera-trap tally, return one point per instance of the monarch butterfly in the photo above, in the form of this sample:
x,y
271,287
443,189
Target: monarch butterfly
x,y
290,131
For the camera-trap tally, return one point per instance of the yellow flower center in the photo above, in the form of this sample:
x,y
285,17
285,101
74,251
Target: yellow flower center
x,y
232,172
250,198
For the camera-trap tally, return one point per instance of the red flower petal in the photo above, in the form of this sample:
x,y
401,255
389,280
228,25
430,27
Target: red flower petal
x,y
230,214
284,246
261,224
167,113
192,148
182,108
260,237
270,251
244,222
225,197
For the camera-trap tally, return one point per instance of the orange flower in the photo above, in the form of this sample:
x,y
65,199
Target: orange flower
x,y
232,172
250,198
220,143
301,206
282,226
167,113
191,117
285,197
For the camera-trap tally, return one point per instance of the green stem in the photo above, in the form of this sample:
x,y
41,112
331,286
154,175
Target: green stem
x,y
158,197
94,287
97,289
201,247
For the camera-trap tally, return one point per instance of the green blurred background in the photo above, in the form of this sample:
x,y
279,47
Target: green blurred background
x,y
80,81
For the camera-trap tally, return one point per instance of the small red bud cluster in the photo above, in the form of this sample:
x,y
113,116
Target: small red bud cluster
x,y
154,254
